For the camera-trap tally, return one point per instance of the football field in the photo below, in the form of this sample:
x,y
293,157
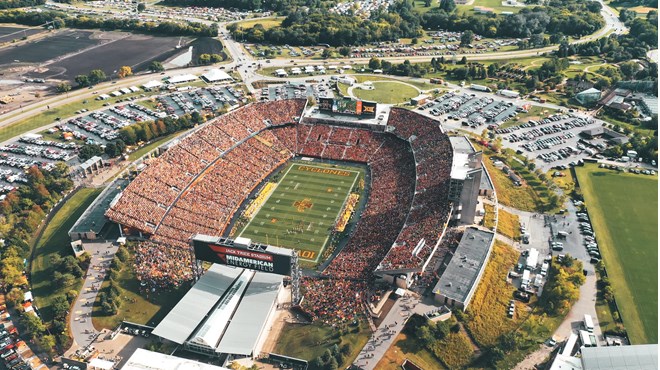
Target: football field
x,y
624,214
303,208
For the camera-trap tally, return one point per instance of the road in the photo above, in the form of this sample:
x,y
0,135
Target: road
x,y
80,319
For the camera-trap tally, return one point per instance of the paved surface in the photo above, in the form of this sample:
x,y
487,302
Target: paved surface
x,y
381,340
80,319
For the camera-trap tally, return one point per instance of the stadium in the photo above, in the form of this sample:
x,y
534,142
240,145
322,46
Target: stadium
x,y
275,163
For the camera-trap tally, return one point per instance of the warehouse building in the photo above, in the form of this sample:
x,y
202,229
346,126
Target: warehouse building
x,y
463,273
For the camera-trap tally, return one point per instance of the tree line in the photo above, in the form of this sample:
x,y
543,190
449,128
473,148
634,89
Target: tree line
x,y
60,19
318,26
9,4
21,213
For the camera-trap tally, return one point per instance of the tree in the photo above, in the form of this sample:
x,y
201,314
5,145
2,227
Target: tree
x,y
47,342
96,76
60,306
63,87
124,71
326,53
447,5
467,37
156,66
82,80
374,63
332,364
33,324
629,69
345,51
87,151
141,7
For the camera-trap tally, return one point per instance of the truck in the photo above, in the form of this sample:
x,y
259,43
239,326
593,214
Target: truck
x,y
544,268
588,323
525,278
538,281
480,88
532,259
562,234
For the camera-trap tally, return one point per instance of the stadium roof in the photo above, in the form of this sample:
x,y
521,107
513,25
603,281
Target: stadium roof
x,y
245,328
143,359
184,318
461,274
637,357
93,219
461,164
210,332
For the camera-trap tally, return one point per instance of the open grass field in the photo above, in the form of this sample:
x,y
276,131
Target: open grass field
x,y
311,341
405,347
495,4
135,307
265,22
9,33
624,214
303,207
55,241
387,92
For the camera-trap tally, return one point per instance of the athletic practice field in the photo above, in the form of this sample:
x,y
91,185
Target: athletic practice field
x,y
624,213
303,207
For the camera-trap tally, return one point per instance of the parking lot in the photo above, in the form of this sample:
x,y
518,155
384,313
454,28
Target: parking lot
x,y
296,90
553,141
101,127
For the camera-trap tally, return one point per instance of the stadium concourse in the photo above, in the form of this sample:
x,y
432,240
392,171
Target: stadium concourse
x,y
198,185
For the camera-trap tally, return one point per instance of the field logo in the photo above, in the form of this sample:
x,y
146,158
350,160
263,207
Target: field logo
x,y
302,205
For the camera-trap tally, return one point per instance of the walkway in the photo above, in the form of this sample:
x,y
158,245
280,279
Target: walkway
x,y
80,319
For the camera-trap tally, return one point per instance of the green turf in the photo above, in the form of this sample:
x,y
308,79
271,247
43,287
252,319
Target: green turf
x,y
624,214
310,341
387,92
55,240
303,208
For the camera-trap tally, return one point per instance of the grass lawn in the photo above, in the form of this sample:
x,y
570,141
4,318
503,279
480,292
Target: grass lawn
x,y
508,224
387,92
266,22
490,303
495,4
489,216
306,202
310,341
520,197
624,213
151,146
135,306
534,113
408,348
55,241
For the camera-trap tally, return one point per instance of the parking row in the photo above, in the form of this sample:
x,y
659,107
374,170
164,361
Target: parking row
x,y
473,110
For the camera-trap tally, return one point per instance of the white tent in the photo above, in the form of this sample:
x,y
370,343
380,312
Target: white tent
x,y
152,84
97,363
216,75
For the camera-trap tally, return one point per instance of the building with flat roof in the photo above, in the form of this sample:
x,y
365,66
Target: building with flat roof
x,y
463,273
224,313
92,221
465,182
636,357
143,359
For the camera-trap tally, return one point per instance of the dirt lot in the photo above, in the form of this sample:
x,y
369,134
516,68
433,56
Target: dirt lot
x,y
118,49
9,33
55,45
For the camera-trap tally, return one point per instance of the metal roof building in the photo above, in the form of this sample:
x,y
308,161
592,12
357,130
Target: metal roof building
x,y
225,312
92,221
457,284
636,357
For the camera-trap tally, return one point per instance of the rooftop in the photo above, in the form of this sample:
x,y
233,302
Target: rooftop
x,y
93,219
143,359
463,269
636,357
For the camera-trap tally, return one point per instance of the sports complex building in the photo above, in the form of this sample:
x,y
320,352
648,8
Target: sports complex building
x,y
225,179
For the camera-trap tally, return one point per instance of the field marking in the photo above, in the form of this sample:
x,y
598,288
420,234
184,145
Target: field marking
x,y
325,168
356,175
264,203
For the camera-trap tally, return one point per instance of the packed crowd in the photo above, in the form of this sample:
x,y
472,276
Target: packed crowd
x,y
159,267
430,208
192,188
